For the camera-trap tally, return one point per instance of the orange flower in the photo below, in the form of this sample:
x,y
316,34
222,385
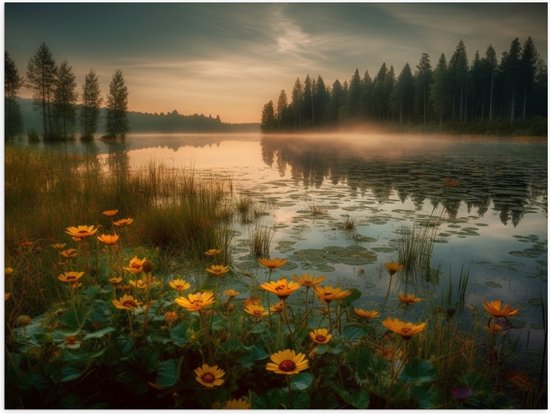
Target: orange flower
x,y
282,287
253,300
277,307
196,301
123,222
494,308
179,285
409,299
320,336
69,253
140,284
240,404
59,245
273,263
110,213
70,277
213,252
217,270
405,329
393,267
257,311
81,232
115,280
108,239
170,316
287,362
126,302
308,280
367,314
329,293
135,265
231,293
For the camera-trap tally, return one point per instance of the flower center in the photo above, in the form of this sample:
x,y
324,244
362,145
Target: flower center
x,y
129,304
208,377
287,365
321,338
406,330
70,277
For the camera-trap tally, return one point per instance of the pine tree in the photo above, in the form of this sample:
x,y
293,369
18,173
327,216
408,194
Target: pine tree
x,y
91,101
440,90
117,107
528,64
282,111
510,76
354,96
64,101
41,77
12,82
268,117
423,81
297,104
458,71
366,97
402,97
489,67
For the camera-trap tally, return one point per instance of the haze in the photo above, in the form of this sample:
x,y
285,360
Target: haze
x,y
229,59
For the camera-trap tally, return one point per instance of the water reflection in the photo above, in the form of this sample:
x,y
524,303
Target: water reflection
x,y
438,171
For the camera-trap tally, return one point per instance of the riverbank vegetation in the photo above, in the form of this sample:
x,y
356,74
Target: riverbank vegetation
x,y
483,96
120,292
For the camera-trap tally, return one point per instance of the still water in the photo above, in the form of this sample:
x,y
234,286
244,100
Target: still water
x,y
337,205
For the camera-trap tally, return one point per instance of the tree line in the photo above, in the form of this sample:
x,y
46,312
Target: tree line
x,y
454,93
55,94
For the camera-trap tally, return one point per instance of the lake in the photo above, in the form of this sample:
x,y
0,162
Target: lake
x,y
341,205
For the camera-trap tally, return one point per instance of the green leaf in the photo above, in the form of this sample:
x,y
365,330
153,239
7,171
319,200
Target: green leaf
x,y
301,381
418,372
426,396
360,360
74,356
300,400
169,372
356,398
99,334
253,354
354,332
178,334
69,373
355,294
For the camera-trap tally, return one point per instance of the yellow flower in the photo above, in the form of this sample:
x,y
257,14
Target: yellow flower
x,y
110,213
135,265
405,329
253,300
115,280
257,311
179,285
209,376
273,263
320,336
70,277
367,314
240,404
217,270
59,245
231,293
123,222
329,293
108,239
69,253
287,362
282,287
8,271
126,302
393,267
277,307
409,299
308,280
213,252
494,308
170,316
140,284
81,232
196,301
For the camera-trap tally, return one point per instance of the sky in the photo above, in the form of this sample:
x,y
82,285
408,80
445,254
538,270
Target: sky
x,y
229,59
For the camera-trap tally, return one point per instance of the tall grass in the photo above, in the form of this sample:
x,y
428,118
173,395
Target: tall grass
x,y
48,191
415,248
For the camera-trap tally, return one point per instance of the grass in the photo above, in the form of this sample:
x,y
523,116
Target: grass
x,y
415,249
88,344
